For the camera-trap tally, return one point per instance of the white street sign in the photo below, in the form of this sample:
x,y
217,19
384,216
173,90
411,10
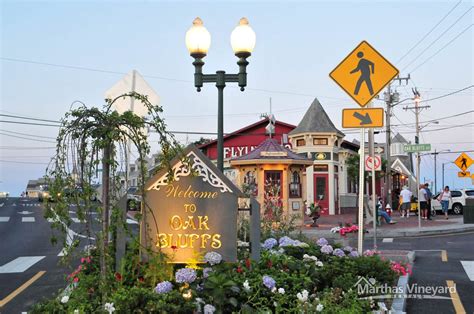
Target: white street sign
x,y
369,164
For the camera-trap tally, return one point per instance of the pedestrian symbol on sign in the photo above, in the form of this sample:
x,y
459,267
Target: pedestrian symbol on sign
x,y
365,67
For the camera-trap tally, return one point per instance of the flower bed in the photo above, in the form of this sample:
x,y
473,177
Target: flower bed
x,y
292,276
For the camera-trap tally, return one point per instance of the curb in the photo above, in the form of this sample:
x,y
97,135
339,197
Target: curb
x,y
390,234
399,303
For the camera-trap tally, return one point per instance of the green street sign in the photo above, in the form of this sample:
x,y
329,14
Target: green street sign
x,y
414,148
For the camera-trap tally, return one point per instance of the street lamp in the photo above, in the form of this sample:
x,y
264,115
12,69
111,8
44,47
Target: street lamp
x,y
198,41
444,163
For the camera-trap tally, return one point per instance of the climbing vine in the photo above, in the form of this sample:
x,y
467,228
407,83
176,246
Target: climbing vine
x,y
92,142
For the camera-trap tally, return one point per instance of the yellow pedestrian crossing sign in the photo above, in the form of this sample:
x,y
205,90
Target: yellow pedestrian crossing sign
x,y
363,73
463,162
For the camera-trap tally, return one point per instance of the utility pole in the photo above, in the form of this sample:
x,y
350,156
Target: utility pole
x,y
391,99
417,109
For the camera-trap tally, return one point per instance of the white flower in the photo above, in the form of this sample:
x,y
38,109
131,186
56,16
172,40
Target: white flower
x,y
319,264
275,304
281,291
109,307
274,289
246,286
76,311
65,299
303,296
319,307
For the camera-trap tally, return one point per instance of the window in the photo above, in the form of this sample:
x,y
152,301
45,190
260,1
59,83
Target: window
x,y
250,184
320,141
321,168
300,142
470,193
295,185
456,194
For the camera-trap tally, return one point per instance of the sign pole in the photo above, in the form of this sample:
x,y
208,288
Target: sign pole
x,y
360,241
374,194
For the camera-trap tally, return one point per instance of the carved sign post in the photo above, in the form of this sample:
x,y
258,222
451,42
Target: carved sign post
x,y
191,212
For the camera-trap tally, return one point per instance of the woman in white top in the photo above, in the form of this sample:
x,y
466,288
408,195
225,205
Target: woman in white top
x,y
444,199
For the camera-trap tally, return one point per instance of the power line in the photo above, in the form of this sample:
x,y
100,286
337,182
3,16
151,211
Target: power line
x,y
26,134
26,138
437,38
29,123
23,147
443,118
73,67
444,96
25,162
26,118
441,49
431,30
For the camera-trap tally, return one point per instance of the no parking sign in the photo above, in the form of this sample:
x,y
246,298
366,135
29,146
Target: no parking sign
x,y
369,163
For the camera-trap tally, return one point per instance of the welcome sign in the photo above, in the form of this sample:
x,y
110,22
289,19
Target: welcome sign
x,y
191,211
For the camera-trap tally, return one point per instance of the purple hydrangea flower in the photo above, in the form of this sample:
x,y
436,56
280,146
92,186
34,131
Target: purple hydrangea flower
x,y
348,248
354,254
206,271
339,252
269,243
326,249
209,309
286,241
322,242
268,282
185,275
164,287
212,258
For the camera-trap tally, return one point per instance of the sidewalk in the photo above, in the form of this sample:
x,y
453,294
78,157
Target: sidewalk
x,y
405,227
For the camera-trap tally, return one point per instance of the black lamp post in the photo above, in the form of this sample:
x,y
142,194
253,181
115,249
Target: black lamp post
x,y
198,41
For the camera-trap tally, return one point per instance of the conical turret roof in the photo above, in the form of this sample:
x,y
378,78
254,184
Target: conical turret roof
x,y
316,120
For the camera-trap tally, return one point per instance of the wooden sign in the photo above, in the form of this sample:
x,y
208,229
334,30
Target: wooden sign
x,y
191,211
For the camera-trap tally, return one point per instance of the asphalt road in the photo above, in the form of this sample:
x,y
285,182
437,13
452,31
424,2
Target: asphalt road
x,y
29,263
431,269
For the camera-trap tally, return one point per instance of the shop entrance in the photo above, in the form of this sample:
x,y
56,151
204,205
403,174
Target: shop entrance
x,y
321,192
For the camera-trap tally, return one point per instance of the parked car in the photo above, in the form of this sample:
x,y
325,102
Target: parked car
x,y
456,204
43,194
133,198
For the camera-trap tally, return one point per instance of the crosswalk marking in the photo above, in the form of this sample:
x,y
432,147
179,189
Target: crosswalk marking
x,y
28,219
4,219
469,269
20,264
387,240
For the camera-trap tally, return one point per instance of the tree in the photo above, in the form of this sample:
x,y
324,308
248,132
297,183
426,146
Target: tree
x,y
92,140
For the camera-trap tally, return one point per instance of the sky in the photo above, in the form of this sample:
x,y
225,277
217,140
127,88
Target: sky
x,y
54,53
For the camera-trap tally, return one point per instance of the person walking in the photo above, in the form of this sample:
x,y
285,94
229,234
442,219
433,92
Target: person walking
x,y
423,198
444,198
406,195
430,196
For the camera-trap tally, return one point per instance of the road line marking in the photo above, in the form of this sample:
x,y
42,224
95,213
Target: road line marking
x,y
20,289
387,240
132,222
20,264
1,205
469,269
28,219
458,307
77,220
4,219
63,252
444,255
